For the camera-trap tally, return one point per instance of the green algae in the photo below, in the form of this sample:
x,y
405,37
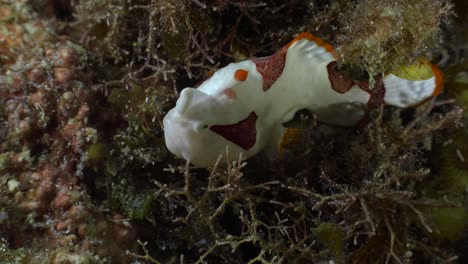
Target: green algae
x,y
17,256
381,36
448,223
332,237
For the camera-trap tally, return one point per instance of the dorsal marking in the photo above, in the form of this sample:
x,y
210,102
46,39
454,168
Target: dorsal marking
x,y
270,68
339,82
377,94
342,84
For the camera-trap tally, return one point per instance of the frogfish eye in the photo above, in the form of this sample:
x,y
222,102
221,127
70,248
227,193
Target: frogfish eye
x,y
200,126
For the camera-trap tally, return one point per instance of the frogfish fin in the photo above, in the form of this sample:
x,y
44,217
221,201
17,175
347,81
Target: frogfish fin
x,y
292,137
312,47
413,84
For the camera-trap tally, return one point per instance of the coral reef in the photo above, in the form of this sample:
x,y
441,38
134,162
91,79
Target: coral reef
x,y
19,31
85,176
46,106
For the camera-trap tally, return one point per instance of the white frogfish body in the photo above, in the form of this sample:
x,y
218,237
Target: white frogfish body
x,y
242,107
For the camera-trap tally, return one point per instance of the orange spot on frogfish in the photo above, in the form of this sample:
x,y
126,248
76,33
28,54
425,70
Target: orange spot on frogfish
x,y
241,75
